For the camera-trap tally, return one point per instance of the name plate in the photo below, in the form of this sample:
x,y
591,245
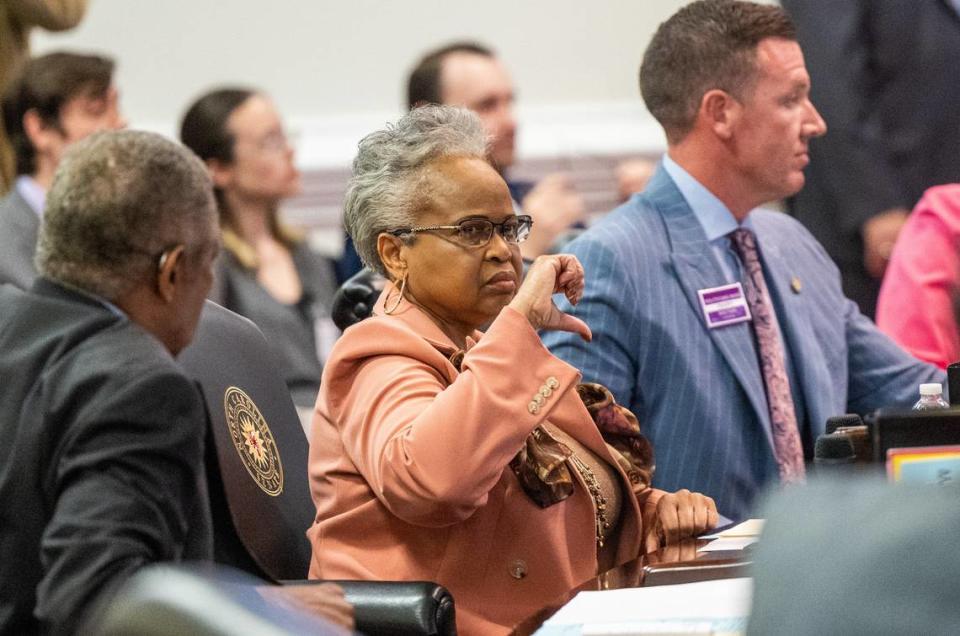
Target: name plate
x,y
933,465
724,305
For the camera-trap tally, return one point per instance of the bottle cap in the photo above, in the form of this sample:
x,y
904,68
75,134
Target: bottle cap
x,y
931,388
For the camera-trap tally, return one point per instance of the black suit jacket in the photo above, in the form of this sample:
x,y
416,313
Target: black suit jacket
x,y
101,457
884,77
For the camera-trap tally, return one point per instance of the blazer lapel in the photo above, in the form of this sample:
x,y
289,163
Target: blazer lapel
x,y
696,268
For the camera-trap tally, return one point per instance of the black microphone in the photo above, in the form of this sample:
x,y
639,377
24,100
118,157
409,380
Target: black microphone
x,y
833,451
847,419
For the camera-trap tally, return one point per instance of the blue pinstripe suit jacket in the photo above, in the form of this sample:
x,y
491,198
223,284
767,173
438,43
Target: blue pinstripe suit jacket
x,y
699,392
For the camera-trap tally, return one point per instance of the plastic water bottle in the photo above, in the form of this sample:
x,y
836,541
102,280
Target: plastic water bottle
x,y
931,397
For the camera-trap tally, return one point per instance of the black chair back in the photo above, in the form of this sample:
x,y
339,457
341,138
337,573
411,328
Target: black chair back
x,y
257,463
257,474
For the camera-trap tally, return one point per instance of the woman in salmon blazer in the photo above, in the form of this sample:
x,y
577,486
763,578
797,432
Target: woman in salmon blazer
x,y
474,460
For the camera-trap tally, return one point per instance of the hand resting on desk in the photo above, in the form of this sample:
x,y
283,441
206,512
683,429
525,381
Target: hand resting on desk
x,y
679,515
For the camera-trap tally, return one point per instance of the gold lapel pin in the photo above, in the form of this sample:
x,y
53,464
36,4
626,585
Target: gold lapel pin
x,y
796,285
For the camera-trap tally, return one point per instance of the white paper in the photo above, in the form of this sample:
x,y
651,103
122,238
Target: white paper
x,y
749,528
691,605
731,543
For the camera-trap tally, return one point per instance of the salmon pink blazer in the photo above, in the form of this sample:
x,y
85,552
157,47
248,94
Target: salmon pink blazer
x,y
409,468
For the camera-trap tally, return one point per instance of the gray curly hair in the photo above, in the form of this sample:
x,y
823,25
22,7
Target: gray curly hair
x,y
117,201
387,185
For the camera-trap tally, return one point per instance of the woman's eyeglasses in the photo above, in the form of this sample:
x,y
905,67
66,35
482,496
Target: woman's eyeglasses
x,y
478,232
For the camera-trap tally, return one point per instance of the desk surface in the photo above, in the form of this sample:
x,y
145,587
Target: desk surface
x,y
674,564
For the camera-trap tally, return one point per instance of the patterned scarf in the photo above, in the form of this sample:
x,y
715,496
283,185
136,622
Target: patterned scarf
x,y
541,464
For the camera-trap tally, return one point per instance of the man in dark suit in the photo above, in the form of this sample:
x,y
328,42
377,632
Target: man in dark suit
x,y
884,78
101,465
720,324
56,100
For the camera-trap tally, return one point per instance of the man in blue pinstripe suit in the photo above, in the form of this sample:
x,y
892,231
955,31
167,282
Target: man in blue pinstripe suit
x,y
727,82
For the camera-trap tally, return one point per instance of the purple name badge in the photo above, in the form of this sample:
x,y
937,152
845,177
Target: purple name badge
x,y
724,305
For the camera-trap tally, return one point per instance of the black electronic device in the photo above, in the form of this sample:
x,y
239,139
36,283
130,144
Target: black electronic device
x,y
953,383
895,428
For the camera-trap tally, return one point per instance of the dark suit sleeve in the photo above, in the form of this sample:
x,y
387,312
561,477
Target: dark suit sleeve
x,y
125,483
853,162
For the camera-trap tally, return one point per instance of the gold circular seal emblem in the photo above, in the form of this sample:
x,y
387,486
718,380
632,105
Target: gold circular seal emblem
x,y
253,440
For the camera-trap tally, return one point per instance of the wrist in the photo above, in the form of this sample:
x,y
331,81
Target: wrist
x,y
523,307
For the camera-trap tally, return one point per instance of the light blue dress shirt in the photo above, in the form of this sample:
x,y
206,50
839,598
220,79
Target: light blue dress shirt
x,y
32,193
718,222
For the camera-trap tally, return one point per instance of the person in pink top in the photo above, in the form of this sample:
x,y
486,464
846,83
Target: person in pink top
x,y
918,299
478,461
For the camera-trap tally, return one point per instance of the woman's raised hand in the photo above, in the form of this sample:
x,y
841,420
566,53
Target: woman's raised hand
x,y
548,275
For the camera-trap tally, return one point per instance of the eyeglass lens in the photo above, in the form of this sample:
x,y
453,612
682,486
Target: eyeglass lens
x,y
480,231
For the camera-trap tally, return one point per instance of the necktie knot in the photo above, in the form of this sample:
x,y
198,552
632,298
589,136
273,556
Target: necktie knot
x,y
745,242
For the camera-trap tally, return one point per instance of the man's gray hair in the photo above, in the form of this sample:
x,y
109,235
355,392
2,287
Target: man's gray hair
x,y
118,200
387,186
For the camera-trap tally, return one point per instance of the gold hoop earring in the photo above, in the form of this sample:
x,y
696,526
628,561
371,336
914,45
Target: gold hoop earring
x,y
403,286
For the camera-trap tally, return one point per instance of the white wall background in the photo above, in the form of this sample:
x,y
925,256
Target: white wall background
x,y
338,69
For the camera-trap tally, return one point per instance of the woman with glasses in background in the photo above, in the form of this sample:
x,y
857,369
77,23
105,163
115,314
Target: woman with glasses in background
x,y
267,272
474,460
